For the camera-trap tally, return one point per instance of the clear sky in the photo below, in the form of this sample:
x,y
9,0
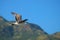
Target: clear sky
x,y
45,13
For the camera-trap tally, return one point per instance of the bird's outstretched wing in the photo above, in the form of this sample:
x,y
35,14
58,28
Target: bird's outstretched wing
x,y
23,21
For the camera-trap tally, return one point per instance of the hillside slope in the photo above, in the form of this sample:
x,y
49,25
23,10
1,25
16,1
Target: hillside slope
x,y
23,31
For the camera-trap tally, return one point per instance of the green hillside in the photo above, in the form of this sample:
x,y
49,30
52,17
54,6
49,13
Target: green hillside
x,y
23,31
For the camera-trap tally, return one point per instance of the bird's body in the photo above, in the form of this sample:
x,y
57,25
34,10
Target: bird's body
x,y
18,17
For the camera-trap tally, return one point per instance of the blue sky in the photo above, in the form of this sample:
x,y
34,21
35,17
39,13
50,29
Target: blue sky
x,y
45,13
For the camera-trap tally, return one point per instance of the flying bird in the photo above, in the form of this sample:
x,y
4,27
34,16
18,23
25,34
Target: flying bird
x,y
18,18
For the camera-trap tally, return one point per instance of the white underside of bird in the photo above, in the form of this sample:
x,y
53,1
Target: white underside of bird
x,y
16,23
